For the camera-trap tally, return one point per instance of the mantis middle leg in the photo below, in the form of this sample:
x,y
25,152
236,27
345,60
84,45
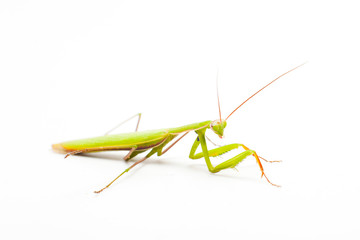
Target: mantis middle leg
x,y
231,163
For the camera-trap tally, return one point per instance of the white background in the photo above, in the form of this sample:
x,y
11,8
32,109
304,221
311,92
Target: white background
x,y
75,69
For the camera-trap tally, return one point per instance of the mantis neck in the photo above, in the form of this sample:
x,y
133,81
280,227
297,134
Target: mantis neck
x,y
189,127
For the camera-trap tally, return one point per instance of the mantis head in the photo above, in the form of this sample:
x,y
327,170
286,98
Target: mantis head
x,y
218,127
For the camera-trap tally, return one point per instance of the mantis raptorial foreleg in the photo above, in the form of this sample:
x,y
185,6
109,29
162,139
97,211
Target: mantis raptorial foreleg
x,y
231,163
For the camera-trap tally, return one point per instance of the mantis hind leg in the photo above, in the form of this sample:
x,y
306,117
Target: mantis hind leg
x,y
231,163
154,150
132,154
137,125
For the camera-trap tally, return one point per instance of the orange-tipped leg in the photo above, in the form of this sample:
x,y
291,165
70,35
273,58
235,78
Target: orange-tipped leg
x,y
230,163
262,169
269,161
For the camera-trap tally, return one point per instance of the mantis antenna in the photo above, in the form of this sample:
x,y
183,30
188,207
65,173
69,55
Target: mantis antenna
x,y
217,92
262,89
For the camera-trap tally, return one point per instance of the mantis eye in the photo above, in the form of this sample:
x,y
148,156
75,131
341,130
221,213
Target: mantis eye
x,y
215,123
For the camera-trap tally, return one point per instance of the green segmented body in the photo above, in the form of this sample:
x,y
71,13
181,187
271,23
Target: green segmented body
x,y
126,141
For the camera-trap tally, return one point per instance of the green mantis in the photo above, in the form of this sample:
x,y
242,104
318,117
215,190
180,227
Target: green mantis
x,y
154,141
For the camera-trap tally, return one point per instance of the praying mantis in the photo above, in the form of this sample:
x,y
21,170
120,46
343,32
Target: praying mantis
x,y
155,140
